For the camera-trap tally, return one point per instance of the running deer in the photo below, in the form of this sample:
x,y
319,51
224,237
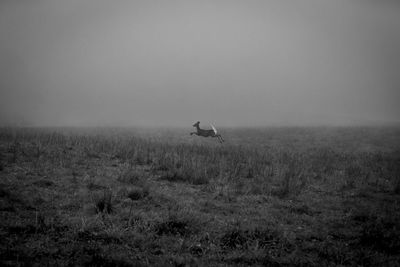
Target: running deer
x,y
207,133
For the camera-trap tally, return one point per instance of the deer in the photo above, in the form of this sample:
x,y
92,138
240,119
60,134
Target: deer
x,y
206,133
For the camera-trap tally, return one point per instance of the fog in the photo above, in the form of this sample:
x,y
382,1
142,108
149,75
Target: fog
x,y
171,63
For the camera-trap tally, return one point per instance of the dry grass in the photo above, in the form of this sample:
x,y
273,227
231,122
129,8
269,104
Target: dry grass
x,y
274,196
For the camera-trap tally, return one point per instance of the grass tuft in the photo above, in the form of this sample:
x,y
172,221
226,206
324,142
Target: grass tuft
x,y
137,193
103,202
178,223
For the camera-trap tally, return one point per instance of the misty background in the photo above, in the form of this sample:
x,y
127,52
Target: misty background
x,y
171,63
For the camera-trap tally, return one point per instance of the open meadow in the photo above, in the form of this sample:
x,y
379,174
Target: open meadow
x,y
278,196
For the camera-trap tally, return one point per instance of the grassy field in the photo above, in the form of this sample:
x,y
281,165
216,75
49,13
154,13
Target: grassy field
x,y
133,197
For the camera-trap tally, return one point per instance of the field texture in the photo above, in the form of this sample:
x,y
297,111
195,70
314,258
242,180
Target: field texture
x,y
135,197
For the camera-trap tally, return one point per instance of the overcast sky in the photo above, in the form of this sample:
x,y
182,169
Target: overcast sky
x,y
232,63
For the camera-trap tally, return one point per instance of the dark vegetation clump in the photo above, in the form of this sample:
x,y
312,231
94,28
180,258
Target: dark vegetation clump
x,y
265,238
103,202
91,254
396,180
138,193
43,183
180,224
131,176
1,162
173,177
88,237
381,233
172,227
4,193
184,175
234,239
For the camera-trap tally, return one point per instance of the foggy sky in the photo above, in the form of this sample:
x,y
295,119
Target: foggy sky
x,y
232,63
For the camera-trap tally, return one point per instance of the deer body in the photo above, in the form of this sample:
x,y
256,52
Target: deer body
x,y
206,133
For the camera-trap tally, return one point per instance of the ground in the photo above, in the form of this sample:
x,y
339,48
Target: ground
x,y
286,196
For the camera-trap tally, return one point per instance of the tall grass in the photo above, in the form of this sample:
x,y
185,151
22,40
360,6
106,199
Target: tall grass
x,y
274,196
283,169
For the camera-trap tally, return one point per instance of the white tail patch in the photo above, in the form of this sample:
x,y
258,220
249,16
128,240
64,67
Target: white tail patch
x,y
215,130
